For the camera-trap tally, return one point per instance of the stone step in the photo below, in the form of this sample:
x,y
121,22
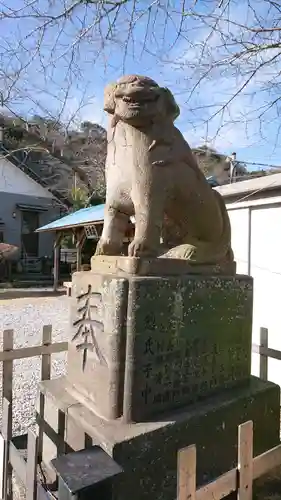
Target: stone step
x,y
27,283
20,293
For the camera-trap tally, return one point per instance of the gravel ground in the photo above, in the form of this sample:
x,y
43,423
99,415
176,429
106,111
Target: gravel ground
x,y
27,317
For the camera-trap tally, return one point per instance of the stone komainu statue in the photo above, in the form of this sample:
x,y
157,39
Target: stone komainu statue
x,y
151,173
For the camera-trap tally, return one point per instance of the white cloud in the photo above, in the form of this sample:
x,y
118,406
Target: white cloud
x,y
75,112
94,113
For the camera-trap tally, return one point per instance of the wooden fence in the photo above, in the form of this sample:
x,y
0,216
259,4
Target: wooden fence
x,y
239,479
13,455
265,352
15,458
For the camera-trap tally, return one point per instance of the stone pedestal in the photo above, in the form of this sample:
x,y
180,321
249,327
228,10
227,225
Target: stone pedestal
x,y
147,451
156,363
144,345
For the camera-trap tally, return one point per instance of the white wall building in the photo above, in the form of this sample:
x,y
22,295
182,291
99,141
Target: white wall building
x,y
25,205
254,207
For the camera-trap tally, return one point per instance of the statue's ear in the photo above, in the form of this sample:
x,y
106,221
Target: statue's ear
x,y
109,101
172,109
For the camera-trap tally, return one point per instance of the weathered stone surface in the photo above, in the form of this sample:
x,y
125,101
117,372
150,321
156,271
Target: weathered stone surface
x,y
151,173
143,345
187,337
150,462
96,353
147,451
93,467
107,264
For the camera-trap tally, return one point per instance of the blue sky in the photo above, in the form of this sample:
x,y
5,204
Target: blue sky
x,y
169,59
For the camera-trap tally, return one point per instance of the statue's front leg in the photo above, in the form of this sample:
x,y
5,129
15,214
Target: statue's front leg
x,y
114,228
148,199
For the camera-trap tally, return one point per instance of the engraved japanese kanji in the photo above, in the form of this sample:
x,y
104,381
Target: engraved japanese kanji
x,y
88,327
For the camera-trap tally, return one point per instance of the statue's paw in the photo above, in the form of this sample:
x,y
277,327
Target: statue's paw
x,y
135,248
139,248
100,249
105,247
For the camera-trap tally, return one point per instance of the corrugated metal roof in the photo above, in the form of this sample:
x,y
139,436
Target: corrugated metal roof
x,y
258,184
75,219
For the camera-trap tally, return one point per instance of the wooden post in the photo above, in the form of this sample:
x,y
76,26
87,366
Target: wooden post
x,y
5,437
7,395
31,466
245,461
264,357
61,447
80,238
45,375
57,260
187,473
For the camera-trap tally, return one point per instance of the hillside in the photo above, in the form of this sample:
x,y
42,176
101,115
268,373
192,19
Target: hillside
x,y
62,159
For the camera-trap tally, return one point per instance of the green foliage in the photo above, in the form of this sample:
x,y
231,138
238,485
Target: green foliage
x,y
79,198
87,125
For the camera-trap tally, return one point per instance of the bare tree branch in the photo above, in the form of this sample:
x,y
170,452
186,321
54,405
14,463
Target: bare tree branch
x,y
205,45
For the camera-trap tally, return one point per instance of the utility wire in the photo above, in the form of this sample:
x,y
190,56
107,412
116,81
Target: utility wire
x,y
259,164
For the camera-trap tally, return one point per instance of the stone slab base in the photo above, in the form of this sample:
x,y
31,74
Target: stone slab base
x,y
157,267
148,451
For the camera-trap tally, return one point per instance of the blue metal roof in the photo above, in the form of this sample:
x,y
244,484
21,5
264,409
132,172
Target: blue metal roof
x,y
212,181
78,218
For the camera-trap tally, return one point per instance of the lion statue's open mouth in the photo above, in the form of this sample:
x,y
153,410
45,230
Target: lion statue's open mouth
x,y
137,100
138,97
